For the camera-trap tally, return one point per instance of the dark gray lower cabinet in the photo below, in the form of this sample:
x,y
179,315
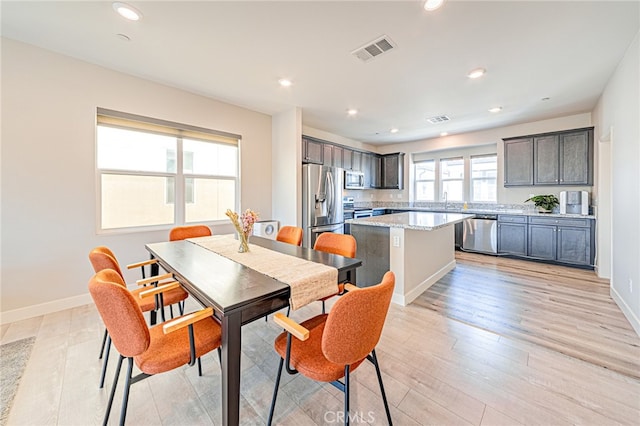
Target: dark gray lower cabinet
x,y
542,242
569,241
563,240
512,234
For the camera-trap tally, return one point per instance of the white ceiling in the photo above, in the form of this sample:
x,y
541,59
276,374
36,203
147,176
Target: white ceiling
x,y
236,51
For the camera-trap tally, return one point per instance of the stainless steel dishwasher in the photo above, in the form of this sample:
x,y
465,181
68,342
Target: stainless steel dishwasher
x,y
480,234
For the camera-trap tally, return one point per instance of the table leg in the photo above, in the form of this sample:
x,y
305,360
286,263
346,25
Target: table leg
x,y
231,347
154,270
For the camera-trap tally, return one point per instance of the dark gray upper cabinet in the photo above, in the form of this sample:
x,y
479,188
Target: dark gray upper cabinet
x,y
545,163
338,151
347,159
559,158
393,171
375,171
518,162
365,167
312,151
328,154
356,160
576,158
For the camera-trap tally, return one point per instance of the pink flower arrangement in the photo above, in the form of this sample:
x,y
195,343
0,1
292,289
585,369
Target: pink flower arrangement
x,y
244,226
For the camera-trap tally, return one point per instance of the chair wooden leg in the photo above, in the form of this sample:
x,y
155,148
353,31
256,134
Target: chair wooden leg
x,y
275,392
346,394
113,392
374,360
105,361
125,397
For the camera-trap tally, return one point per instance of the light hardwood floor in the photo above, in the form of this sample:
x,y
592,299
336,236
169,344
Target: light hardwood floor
x,y
437,370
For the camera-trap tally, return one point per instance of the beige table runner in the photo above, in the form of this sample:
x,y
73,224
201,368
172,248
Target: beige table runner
x,y
309,281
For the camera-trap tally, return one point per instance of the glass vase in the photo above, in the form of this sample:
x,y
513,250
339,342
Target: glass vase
x,y
244,242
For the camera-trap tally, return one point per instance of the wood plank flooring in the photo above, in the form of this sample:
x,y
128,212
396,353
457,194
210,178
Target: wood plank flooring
x,y
563,309
473,370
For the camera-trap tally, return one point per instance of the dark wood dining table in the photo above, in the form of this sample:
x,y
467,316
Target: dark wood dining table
x,y
238,295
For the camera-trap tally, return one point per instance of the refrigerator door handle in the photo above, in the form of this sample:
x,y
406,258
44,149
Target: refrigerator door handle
x,y
332,195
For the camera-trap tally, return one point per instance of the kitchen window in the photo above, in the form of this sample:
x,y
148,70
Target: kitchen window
x,y
484,171
425,180
452,178
154,173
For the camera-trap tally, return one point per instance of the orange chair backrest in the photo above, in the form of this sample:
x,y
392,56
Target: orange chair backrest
x,y
189,231
120,313
102,257
341,244
290,235
355,322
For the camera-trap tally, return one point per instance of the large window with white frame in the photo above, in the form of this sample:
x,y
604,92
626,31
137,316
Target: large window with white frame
x,y
452,178
425,180
154,173
484,172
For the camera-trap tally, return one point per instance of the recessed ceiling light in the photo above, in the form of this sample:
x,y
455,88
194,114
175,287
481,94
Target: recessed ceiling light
x,y
495,109
352,111
444,134
285,82
432,4
394,130
478,72
127,11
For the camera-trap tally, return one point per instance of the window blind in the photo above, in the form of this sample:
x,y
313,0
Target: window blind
x,y
125,120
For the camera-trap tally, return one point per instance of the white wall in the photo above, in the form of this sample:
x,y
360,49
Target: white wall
x,y
617,118
287,170
48,195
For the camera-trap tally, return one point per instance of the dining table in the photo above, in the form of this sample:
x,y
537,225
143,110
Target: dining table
x,y
238,295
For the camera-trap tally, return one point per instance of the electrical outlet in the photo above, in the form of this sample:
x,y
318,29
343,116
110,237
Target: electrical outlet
x,y
396,241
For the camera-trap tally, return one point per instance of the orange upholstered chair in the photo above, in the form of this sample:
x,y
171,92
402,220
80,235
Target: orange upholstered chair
x,y
340,244
103,258
329,347
189,231
155,350
290,235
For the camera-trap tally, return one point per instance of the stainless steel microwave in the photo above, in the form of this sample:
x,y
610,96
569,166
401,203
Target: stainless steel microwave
x,y
353,180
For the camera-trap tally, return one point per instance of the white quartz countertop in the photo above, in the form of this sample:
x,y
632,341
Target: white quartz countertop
x,y
493,211
421,221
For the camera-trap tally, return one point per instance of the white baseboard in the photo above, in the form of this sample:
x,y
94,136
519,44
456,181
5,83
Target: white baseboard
x,y
44,308
405,299
626,310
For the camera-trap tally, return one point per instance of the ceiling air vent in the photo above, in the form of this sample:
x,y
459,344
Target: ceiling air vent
x,y
374,48
438,119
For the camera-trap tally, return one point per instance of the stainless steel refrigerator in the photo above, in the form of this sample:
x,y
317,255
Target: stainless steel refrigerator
x,y
321,201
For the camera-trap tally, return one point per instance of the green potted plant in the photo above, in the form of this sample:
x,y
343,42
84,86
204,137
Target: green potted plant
x,y
545,203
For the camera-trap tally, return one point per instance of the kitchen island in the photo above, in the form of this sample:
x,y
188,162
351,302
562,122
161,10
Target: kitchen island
x,y
417,246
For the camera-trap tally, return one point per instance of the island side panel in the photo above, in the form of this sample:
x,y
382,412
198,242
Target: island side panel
x,y
422,258
373,250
